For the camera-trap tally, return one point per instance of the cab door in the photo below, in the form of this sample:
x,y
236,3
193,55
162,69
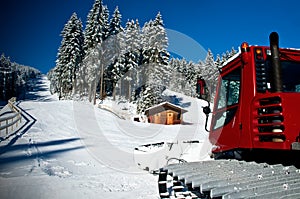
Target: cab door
x,y
225,130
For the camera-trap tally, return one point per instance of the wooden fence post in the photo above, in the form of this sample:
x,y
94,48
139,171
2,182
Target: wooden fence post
x,y
12,126
6,127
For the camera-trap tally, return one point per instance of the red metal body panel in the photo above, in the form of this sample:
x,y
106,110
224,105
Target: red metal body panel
x,y
249,127
291,122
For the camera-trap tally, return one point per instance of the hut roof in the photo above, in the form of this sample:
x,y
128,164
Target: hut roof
x,y
164,106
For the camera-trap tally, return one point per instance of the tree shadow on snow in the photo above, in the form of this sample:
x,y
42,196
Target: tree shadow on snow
x,y
25,157
11,148
31,146
34,89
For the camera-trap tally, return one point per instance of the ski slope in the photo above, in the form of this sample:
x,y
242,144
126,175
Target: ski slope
x,y
76,150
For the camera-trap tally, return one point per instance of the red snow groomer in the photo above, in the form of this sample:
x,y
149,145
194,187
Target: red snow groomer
x,y
257,105
255,120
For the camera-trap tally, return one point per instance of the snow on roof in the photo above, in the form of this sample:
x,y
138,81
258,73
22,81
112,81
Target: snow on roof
x,y
168,104
237,54
298,49
231,58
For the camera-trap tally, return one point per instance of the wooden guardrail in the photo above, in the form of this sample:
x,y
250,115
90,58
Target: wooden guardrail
x,y
11,120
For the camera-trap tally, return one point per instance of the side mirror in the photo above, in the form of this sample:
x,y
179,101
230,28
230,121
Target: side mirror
x,y
206,110
202,91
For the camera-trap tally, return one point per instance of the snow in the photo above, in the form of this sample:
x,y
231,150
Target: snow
x,y
232,58
163,103
70,149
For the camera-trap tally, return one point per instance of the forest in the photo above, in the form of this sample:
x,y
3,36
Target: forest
x,y
130,63
13,78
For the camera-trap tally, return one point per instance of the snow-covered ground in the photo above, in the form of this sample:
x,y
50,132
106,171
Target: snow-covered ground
x,y
76,150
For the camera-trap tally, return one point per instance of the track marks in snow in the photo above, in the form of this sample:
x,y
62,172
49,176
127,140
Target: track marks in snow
x,y
53,169
49,167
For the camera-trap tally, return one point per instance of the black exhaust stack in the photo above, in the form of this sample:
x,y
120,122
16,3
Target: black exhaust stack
x,y
276,67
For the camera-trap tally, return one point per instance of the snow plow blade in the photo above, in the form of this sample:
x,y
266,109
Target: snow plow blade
x,y
228,179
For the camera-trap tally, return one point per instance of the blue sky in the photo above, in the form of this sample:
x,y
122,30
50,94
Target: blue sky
x,y
30,29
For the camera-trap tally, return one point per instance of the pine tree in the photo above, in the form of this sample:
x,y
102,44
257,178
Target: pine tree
x,y
89,73
185,75
116,42
125,67
210,71
161,35
146,99
69,58
13,78
228,55
218,62
223,59
5,77
94,26
132,56
232,52
96,36
115,23
177,79
132,37
117,71
155,59
53,77
106,24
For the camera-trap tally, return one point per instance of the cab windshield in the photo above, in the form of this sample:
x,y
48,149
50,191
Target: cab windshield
x,y
228,98
229,91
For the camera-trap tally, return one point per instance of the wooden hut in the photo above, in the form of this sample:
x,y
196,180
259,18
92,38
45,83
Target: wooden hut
x,y
165,113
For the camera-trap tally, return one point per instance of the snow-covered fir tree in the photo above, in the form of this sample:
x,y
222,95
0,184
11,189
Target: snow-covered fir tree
x,y
218,62
177,79
124,69
210,72
69,57
106,24
117,70
184,76
89,75
92,71
53,77
232,52
115,26
146,99
225,56
155,59
116,42
132,37
193,72
132,56
6,78
13,78
132,60
96,46
93,34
